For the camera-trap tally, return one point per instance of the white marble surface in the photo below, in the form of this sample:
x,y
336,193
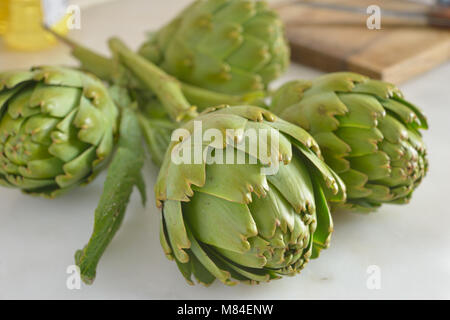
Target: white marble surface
x,y
410,244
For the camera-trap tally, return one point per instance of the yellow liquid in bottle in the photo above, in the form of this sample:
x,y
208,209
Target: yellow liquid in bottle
x,y
3,15
24,27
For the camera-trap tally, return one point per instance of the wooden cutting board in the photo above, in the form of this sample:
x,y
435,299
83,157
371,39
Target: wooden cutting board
x,y
331,40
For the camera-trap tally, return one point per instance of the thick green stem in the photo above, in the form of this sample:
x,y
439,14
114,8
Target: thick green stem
x,y
166,88
90,61
204,98
124,173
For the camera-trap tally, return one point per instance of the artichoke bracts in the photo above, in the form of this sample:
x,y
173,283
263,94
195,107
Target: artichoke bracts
x,y
57,126
238,220
367,133
227,46
234,221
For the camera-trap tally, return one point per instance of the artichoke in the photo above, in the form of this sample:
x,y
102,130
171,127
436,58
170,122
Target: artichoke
x,y
236,221
57,127
227,46
368,133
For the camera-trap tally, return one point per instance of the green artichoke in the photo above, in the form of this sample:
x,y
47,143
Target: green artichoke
x,y
57,126
236,222
227,46
366,130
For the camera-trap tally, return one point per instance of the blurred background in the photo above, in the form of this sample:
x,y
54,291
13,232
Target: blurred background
x,y
392,40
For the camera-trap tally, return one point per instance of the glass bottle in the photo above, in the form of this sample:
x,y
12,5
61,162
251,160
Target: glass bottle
x,y
25,23
3,15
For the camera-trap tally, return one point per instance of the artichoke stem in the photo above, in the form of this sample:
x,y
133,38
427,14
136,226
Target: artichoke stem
x,y
90,61
167,88
204,98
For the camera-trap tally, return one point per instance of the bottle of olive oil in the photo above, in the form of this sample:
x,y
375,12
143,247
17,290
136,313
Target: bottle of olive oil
x,y
25,21
3,15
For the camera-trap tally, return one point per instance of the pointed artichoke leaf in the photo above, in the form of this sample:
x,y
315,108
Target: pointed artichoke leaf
x,y
77,168
180,178
393,130
252,55
58,76
176,230
207,262
316,113
254,258
329,177
377,88
265,143
7,94
104,148
332,144
30,184
336,82
226,125
105,100
252,275
237,11
219,222
379,193
199,271
398,177
65,143
402,112
288,94
417,142
164,240
294,183
223,264
361,141
355,182
234,182
19,106
296,133
42,169
401,192
364,110
271,212
248,112
55,101
337,163
416,110
90,121
224,38
11,79
175,179
375,166
186,269
161,181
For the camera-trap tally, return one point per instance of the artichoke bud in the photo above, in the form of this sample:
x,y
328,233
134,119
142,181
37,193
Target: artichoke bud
x,y
234,220
231,45
57,127
367,133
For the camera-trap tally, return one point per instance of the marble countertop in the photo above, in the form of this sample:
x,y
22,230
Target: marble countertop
x,y
407,248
